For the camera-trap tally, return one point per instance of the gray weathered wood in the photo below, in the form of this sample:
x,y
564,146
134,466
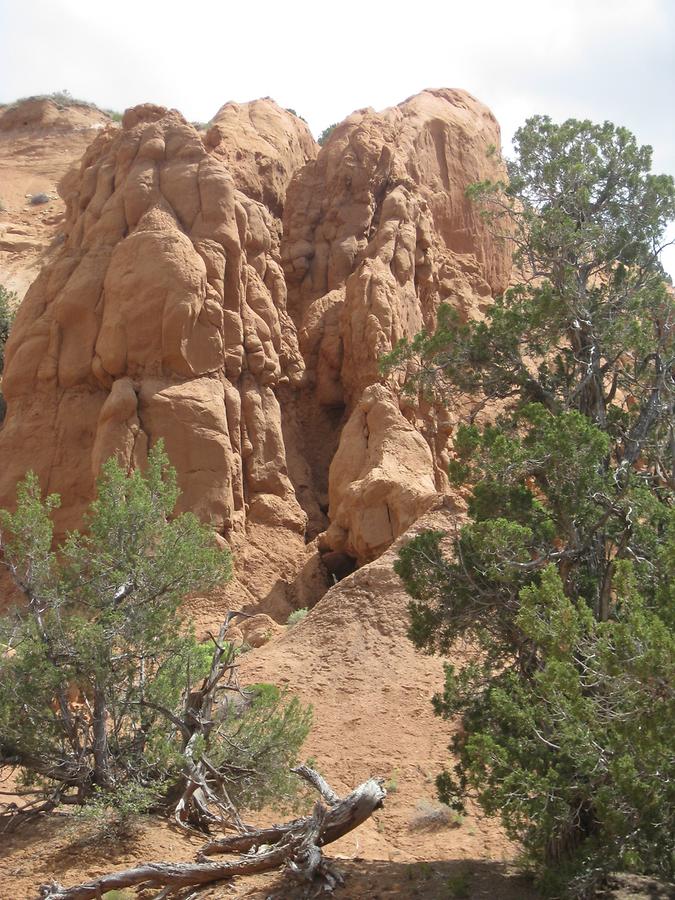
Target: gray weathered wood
x,y
340,819
295,845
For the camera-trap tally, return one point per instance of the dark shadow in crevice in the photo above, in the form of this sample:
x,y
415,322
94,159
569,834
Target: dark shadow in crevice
x,y
338,565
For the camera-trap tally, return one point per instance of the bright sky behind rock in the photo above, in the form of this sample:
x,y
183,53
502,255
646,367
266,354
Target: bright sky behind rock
x,y
597,59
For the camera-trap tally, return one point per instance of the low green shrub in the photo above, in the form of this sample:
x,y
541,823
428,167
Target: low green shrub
x,y
326,133
8,303
297,616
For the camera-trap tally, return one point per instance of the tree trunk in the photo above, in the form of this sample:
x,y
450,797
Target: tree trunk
x,y
102,776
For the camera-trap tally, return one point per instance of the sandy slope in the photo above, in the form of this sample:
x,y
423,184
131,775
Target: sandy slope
x,y
370,691
38,144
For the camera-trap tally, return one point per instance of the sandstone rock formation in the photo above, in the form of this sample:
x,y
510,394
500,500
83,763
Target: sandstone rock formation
x,y
232,294
381,478
424,152
263,146
377,233
164,298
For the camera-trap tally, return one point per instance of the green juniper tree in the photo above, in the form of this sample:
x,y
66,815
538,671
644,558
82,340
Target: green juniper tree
x,y
7,304
8,301
326,133
561,579
103,687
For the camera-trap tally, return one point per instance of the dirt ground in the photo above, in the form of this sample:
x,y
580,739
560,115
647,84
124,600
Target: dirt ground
x,y
55,850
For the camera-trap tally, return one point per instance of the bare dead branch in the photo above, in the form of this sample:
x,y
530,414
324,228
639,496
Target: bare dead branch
x,y
318,783
296,846
341,818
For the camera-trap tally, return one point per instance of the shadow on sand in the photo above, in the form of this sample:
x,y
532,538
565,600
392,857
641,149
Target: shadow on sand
x,y
369,879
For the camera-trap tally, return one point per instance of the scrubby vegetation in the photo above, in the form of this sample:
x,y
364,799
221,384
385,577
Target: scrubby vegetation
x,y
64,99
432,814
296,616
106,697
326,133
562,577
8,302
294,113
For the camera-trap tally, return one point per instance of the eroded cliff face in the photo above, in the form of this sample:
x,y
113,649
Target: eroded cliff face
x,y
378,233
263,146
232,294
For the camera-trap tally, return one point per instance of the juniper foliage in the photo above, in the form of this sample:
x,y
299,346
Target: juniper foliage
x,y
99,669
561,579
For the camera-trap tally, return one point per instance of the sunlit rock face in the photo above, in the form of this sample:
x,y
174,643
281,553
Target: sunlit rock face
x,y
232,292
378,232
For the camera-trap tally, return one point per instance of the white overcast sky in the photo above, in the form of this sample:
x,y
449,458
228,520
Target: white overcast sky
x,y
597,59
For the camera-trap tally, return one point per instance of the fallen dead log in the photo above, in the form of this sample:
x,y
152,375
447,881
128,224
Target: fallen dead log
x,y
295,845
342,817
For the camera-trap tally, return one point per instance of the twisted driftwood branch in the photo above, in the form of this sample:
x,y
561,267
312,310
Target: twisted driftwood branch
x,y
295,845
341,818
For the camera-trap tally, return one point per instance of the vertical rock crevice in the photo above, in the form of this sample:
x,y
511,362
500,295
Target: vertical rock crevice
x,y
378,232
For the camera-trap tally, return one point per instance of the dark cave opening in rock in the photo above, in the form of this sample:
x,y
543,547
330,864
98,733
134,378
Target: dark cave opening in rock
x,y
338,564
